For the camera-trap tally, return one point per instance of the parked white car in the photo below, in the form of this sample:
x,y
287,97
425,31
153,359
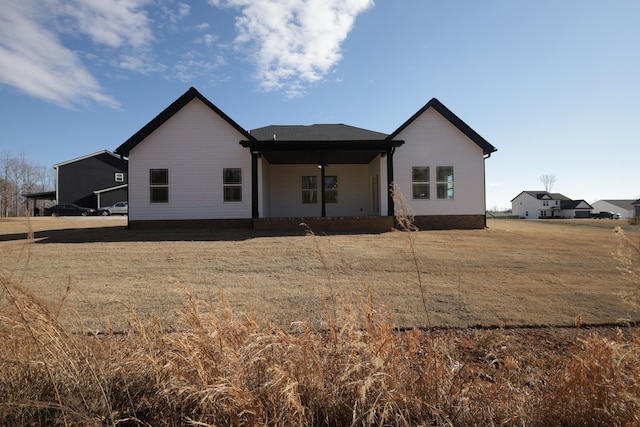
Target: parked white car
x,y
120,208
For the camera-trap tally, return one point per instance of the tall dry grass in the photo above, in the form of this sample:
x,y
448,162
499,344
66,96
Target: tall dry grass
x,y
223,368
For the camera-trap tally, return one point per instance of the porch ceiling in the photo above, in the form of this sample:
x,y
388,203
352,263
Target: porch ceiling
x,y
319,157
320,152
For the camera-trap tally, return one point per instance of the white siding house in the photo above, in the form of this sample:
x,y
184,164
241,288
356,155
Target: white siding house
x,y
545,205
192,163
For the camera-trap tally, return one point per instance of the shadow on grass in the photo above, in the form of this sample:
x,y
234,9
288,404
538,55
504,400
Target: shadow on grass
x,y
124,234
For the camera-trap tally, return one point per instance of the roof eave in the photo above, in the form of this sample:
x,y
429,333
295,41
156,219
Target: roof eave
x,y
487,147
125,148
326,145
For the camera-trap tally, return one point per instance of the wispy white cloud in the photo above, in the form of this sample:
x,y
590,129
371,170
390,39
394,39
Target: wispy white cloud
x,y
206,39
194,64
34,59
293,42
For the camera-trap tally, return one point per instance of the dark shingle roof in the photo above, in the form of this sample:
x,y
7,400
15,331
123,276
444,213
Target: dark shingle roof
x,y
318,132
552,196
573,204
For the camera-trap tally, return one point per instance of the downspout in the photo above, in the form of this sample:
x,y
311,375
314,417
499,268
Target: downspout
x,y
484,185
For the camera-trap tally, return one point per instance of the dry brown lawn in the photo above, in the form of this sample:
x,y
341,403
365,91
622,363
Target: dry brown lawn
x,y
513,273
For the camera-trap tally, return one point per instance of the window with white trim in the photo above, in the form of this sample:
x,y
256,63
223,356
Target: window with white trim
x,y
119,177
232,184
159,185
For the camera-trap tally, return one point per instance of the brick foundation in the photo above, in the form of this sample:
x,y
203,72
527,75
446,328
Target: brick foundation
x,y
373,224
376,224
214,224
450,222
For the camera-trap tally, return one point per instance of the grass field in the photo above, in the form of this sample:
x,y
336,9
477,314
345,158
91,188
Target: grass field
x,y
513,273
238,329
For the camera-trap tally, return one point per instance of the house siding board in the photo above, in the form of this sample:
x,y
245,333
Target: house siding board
x,y
195,145
77,180
431,140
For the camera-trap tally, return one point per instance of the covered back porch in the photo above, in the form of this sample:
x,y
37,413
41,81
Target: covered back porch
x,y
314,174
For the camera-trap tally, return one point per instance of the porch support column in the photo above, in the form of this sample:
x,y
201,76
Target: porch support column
x,y
322,192
390,207
254,185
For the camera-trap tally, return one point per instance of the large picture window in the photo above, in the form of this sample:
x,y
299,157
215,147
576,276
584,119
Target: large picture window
x,y
331,189
420,182
159,185
309,189
444,182
232,183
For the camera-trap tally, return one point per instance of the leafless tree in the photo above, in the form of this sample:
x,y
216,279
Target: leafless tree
x,y
18,177
548,181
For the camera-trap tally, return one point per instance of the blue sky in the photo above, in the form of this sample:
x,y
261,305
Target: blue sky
x,y
554,85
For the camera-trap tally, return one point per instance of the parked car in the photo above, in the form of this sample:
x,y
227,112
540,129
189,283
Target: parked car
x,y
69,209
605,214
120,208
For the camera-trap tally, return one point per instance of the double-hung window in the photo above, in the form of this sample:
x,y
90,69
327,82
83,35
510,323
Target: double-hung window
x,y
309,189
232,183
444,182
159,185
119,177
420,182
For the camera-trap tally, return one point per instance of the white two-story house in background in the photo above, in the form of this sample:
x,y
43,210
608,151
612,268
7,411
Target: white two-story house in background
x,y
193,165
545,205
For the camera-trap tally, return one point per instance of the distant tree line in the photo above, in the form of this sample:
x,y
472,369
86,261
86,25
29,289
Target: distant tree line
x,y
19,177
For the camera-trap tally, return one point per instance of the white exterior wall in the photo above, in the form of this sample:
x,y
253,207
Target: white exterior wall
x,y
285,191
431,140
195,145
524,203
264,184
374,169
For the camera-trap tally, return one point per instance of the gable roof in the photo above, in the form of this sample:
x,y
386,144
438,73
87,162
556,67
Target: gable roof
x,y
543,195
88,156
636,203
168,112
487,148
317,132
574,204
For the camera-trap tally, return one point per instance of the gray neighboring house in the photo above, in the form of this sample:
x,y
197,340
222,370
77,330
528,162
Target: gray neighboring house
x,y
624,207
93,181
636,208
